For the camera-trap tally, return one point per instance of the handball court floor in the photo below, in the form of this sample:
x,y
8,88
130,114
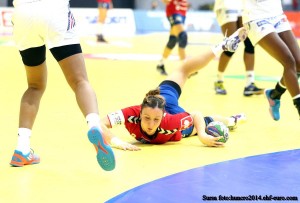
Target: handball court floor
x,y
261,158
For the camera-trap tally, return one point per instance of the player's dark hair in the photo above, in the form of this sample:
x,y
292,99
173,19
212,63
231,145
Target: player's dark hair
x,y
154,100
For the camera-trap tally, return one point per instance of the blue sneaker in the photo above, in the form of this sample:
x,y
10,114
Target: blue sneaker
x,y
19,159
105,155
274,105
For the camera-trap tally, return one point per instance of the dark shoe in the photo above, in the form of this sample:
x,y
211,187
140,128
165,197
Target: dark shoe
x,y
252,89
100,38
161,69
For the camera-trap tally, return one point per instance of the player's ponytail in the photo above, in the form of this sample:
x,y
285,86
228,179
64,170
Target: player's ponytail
x,y
154,100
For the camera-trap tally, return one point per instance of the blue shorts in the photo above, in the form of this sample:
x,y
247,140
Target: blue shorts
x,y
176,19
171,91
103,5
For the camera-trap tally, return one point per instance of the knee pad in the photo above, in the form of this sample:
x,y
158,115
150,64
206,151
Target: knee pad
x,y
172,42
60,53
298,74
249,48
34,56
228,53
182,39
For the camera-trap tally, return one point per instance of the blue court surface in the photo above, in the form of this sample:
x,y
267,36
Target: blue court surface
x,y
268,177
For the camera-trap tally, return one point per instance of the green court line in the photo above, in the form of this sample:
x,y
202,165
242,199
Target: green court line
x,y
258,78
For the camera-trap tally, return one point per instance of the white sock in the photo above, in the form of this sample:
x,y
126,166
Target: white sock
x,y
249,77
99,28
93,120
281,85
220,76
24,140
297,96
161,61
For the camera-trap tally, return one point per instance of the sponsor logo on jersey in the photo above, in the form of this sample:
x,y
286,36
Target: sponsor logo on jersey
x,y
186,122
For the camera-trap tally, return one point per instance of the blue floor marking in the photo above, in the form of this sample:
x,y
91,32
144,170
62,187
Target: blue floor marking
x,y
276,174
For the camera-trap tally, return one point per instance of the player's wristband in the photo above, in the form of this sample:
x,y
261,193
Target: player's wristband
x,y
116,141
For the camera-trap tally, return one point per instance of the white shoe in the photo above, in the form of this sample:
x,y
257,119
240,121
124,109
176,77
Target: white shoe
x,y
238,118
231,43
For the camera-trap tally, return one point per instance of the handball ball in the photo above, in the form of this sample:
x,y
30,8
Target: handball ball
x,y
217,128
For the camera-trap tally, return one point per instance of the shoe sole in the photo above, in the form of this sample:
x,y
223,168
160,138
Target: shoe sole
x,y
270,107
105,155
21,164
17,164
250,93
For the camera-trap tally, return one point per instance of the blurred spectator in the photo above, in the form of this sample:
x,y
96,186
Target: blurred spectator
x,y
154,5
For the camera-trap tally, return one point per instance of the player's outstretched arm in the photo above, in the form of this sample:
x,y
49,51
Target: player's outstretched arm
x,y
114,140
200,126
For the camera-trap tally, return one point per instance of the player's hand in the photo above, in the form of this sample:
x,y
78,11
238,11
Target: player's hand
x,y
210,140
120,144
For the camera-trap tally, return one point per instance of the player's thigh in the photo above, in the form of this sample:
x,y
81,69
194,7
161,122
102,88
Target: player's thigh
x,y
37,75
290,40
74,69
276,47
176,29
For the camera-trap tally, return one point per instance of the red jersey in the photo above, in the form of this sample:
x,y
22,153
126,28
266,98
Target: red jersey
x,y
104,1
177,7
169,129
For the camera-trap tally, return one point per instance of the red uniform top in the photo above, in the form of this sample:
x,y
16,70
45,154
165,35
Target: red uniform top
x,y
177,7
169,129
104,1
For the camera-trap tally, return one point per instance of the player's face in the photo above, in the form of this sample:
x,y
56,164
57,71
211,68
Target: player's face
x,y
151,119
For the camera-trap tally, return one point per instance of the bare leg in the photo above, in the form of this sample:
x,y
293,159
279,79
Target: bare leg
x,y
280,51
74,70
37,81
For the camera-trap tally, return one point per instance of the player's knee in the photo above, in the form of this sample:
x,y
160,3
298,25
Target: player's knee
x,y
34,56
182,39
249,48
60,53
228,53
172,42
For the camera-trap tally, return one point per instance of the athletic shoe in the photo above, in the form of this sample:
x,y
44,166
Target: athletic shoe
x,y
274,105
238,118
219,88
100,38
231,43
19,159
252,89
161,69
105,155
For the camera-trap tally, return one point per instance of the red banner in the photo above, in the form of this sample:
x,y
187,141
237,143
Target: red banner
x,y
294,18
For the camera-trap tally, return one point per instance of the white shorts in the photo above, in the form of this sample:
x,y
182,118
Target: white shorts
x,y
39,23
258,29
227,15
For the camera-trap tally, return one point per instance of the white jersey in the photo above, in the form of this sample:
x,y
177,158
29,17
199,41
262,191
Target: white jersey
x,y
258,9
228,4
